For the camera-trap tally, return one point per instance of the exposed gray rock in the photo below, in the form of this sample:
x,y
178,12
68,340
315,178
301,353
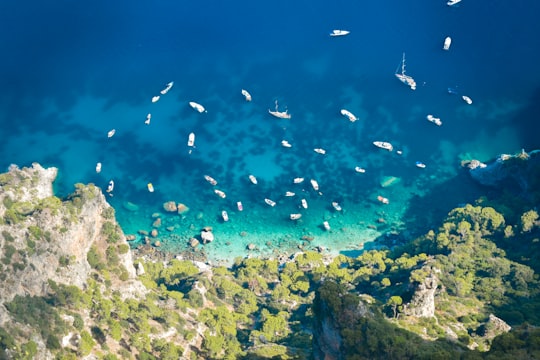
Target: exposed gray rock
x,y
422,303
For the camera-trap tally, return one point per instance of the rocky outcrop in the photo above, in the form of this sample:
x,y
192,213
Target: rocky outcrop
x,y
493,327
45,238
422,303
518,171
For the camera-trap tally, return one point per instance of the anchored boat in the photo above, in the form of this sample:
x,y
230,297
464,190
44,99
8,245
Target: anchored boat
x,y
406,79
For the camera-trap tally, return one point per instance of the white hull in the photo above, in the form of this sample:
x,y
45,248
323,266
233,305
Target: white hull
x,y
246,94
339,32
167,88
349,115
197,106
280,114
383,145
467,99
447,43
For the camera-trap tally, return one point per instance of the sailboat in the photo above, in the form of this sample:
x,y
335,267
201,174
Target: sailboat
x,y
406,79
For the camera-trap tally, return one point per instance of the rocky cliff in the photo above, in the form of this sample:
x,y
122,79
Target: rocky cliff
x,y
46,238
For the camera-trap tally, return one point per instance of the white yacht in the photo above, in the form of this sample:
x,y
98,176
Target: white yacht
x,y
253,179
220,193
326,225
110,188
111,133
225,216
98,167
167,88
155,98
383,145
295,216
240,206
339,32
210,179
289,194
197,106
452,2
246,94
270,202
148,118
191,140
304,203
285,143
406,79
314,184
349,115
420,164
358,169
336,206
279,114
447,43
433,119
320,151
298,180
467,99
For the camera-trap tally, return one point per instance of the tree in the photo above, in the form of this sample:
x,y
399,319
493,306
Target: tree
x,y
395,303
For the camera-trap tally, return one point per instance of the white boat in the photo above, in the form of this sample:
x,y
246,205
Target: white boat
x,y
320,151
314,184
150,187
420,164
339,32
210,179
285,143
383,199
467,99
433,119
270,202
246,95
197,106
326,225
253,179
295,216
220,193
110,188
98,167
406,79
447,43
383,145
298,180
225,216
336,206
111,133
279,114
148,118
167,88
155,98
452,2
289,194
358,169
304,203
349,115
239,206
191,140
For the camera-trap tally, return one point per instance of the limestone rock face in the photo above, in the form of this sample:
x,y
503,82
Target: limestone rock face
x,y
516,171
423,301
50,238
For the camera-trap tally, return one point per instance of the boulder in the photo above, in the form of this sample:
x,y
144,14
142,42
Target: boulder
x,y
207,236
170,206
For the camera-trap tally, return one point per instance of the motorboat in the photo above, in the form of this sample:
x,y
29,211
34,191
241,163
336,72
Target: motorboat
x,y
383,145
150,187
198,107
285,143
155,98
336,206
326,225
279,114
339,32
406,79
320,151
220,193
111,133
295,216
433,119
239,206
383,200
191,140
314,184
98,167
304,203
210,179
447,43
452,2
148,118
253,179
420,164
467,99
110,187
225,216
246,94
167,88
358,169
289,194
349,115
298,180
270,202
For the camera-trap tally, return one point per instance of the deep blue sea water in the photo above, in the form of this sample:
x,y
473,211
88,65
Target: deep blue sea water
x,y
72,71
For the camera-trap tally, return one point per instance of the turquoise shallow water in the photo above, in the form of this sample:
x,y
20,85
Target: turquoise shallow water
x,y
74,73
